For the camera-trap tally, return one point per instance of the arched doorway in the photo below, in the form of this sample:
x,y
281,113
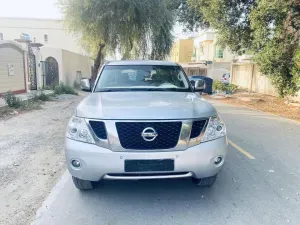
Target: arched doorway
x,y
52,74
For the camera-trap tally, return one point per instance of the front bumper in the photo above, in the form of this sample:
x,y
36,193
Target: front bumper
x,y
99,163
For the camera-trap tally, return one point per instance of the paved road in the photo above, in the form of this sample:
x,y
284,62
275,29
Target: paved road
x,y
264,190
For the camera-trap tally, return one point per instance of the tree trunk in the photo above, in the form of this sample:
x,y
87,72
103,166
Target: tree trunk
x,y
98,61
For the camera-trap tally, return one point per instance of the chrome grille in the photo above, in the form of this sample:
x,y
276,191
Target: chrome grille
x,y
130,135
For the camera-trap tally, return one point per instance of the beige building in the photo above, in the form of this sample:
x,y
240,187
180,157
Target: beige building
x,y
49,32
207,49
71,67
39,52
26,66
182,51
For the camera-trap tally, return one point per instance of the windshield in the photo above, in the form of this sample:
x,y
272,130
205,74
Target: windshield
x,y
142,78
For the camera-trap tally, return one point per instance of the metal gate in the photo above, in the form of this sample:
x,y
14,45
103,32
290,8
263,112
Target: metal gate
x,y
51,72
32,69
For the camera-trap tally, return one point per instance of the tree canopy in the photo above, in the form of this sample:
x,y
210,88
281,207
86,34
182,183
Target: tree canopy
x,y
134,28
269,29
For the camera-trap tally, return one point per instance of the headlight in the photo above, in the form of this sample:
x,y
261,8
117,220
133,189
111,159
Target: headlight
x,y
215,129
78,130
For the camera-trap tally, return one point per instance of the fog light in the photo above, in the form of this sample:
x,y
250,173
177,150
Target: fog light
x,y
218,160
75,163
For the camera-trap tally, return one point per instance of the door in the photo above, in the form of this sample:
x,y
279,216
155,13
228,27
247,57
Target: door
x,y
52,74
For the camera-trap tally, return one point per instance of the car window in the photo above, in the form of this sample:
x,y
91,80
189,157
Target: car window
x,y
144,77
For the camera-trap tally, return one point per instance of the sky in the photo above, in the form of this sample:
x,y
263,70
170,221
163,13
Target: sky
x,y
46,9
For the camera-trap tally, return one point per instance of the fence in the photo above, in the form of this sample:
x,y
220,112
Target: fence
x,y
248,76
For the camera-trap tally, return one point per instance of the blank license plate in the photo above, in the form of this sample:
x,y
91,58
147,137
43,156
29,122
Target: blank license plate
x,y
149,165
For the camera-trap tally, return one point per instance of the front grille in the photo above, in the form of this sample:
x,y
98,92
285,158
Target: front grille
x,y
197,128
99,129
130,135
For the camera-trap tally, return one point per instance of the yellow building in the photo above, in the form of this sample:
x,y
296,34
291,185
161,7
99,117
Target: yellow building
x,y
182,50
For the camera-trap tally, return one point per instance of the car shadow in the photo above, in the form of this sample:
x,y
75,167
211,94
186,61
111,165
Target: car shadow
x,y
169,191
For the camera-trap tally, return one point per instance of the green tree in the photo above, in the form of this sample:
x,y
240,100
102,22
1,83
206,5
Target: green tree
x,y
189,17
276,38
230,18
135,28
269,29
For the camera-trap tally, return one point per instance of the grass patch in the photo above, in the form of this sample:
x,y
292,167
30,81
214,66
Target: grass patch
x,y
64,89
7,112
30,105
16,105
41,97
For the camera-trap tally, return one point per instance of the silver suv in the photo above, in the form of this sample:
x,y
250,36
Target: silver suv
x,y
144,120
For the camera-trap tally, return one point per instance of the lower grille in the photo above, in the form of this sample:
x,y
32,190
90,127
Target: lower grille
x,y
130,135
146,174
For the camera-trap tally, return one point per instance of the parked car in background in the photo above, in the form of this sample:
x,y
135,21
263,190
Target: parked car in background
x,y
225,78
143,120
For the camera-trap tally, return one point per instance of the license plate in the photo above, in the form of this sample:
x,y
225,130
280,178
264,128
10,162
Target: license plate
x,y
149,165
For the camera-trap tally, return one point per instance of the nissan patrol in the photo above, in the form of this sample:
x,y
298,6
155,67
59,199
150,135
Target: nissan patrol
x,y
144,120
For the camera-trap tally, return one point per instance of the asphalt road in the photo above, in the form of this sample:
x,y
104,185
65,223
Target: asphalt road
x,y
264,190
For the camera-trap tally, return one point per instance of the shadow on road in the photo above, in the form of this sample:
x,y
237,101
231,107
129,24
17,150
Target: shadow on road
x,y
182,193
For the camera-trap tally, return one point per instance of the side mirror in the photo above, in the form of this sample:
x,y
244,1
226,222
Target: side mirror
x,y
85,84
199,85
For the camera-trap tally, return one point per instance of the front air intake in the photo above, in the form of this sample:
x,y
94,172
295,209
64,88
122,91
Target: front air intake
x,y
197,128
99,129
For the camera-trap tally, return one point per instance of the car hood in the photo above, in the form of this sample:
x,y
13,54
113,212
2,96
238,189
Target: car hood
x,y
144,105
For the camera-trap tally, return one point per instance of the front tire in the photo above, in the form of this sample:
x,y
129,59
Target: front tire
x,y
205,182
82,184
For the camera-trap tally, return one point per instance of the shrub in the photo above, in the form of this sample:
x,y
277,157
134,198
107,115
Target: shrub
x,y
64,89
231,88
228,88
219,86
12,100
41,97
48,87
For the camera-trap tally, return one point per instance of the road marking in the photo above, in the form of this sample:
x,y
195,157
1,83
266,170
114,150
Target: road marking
x,y
241,150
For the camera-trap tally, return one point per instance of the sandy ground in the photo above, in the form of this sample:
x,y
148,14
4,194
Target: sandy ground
x,y
32,158
265,103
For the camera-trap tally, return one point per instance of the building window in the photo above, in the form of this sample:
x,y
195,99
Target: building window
x,y
220,53
46,38
1,36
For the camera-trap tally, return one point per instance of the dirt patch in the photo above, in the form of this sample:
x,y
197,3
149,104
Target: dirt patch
x,y
261,102
7,112
31,158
